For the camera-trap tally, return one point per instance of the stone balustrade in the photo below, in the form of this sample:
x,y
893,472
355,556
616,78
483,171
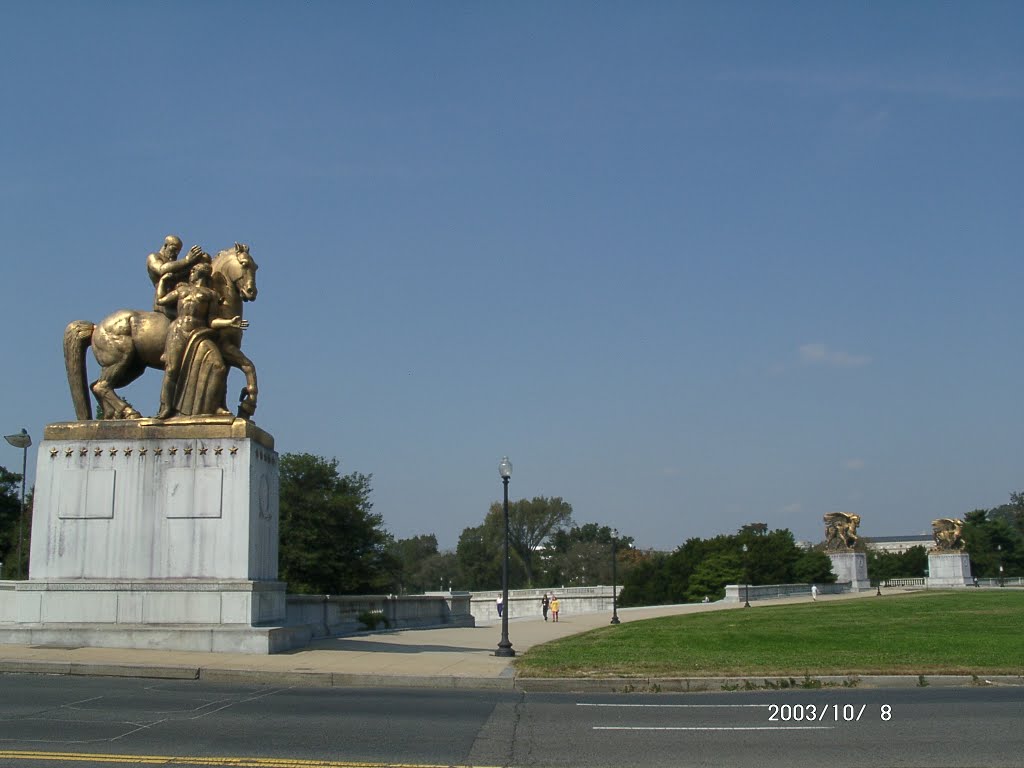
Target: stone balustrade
x,y
738,593
334,615
526,602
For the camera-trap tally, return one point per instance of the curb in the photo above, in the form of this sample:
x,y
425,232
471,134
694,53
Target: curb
x,y
315,679
747,684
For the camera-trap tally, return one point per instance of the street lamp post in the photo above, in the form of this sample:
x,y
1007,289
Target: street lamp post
x,y
21,440
505,645
746,579
615,609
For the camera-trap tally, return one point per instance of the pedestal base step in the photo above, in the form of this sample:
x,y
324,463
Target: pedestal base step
x,y
216,638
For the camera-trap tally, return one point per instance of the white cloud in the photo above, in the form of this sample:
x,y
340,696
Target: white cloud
x,y
819,353
949,85
813,353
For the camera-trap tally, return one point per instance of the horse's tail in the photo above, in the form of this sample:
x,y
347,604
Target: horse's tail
x,y
77,338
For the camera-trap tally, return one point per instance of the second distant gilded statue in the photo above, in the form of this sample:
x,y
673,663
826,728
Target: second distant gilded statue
x,y
840,531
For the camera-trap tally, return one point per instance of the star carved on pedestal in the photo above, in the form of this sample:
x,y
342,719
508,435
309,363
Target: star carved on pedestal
x,y
188,450
233,450
68,451
173,450
82,451
113,451
202,451
98,451
218,451
53,453
143,451
128,451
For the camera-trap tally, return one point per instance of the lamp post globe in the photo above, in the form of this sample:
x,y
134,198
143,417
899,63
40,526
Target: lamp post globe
x,y
21,440
505,645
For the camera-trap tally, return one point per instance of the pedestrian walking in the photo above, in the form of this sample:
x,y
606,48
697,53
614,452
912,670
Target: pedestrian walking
x,y
555,605
545,603
814,592
500,603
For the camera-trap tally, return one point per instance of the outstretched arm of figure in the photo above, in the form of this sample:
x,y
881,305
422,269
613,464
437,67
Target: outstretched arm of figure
x,y
234,322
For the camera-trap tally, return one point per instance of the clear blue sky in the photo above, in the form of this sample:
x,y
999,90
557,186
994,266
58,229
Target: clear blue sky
x,y
689,265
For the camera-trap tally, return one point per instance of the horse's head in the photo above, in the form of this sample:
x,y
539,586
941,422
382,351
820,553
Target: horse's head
x,y
239,270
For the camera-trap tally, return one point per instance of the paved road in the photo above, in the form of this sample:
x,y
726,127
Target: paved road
x,y
82,721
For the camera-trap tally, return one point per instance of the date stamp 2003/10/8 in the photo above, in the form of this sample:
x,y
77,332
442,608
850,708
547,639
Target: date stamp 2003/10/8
x,y
824,713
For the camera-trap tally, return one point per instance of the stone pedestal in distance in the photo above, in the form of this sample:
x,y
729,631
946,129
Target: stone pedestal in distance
x,y
851,567
949,569
153,534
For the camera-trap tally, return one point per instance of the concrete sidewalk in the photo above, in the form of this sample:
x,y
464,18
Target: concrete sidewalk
x,y
446,657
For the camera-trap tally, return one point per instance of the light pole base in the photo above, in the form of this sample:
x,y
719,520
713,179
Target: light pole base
x,y
615,620
505,651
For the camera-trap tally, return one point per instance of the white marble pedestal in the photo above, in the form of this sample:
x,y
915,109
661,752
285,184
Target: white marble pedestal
x,y
851,567
153,534
949,569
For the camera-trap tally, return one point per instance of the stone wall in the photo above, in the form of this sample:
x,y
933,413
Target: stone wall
x,y
526,602
336,615
736,593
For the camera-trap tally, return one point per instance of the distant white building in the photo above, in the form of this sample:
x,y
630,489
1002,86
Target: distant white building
x,y
897,545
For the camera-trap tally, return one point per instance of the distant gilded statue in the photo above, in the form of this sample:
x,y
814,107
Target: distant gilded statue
x,y
193,334
840,531
948,534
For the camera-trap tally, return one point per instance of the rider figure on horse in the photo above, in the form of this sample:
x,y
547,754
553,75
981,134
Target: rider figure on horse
x,y
164,267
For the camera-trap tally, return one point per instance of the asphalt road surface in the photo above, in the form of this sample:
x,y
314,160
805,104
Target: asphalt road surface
x,y
77,721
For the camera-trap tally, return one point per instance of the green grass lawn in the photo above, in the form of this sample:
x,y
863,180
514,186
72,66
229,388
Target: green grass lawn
x,y
963,632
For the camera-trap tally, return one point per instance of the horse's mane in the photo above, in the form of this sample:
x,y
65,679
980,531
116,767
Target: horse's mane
x,y
232,252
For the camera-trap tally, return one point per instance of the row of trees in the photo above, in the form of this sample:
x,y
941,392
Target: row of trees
x,y
10,513
332,542
883,566
702,567
996,537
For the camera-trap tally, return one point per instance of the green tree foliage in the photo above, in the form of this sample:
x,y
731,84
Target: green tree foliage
x,y
478,559
331,541
10,513
648,582
704,566
421,568
883,566
531,522
813,566
582,556
996,537
712,574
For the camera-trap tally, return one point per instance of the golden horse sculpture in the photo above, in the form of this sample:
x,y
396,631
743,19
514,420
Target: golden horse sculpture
x,y
948,534
129,341
840,531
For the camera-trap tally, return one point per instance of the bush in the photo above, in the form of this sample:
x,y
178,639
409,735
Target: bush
x,y
370,619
